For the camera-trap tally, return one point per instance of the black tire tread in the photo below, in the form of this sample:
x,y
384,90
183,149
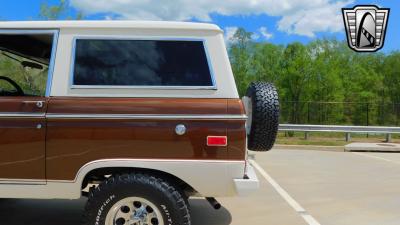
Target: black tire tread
x,y
114,182
265,121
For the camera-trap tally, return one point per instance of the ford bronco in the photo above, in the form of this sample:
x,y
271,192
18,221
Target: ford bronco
x,y
137,116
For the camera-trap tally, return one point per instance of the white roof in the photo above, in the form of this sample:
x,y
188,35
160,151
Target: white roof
x,y
108,24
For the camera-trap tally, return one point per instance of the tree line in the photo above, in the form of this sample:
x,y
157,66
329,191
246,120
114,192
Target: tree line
x,y
323,81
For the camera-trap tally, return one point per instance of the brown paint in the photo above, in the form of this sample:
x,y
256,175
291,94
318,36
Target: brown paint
x,y
22,145
71,143
235,106
23,104
137,106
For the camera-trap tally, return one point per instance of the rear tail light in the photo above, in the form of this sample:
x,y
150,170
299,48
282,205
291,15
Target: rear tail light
x,y
217,141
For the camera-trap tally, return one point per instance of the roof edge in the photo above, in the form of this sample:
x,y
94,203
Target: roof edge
x,y
108,24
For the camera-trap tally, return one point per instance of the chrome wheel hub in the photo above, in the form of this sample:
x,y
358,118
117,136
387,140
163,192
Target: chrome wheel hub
x,y
134,211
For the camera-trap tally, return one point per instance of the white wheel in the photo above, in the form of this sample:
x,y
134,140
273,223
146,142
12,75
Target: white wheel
x,y
134,211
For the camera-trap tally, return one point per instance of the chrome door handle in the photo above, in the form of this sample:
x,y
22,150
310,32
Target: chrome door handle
x,y
38,104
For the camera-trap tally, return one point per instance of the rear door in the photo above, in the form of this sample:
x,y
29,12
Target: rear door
x,y
25,59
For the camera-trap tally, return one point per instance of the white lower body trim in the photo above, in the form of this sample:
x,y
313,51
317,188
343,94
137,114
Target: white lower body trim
x,y
51,190
211,178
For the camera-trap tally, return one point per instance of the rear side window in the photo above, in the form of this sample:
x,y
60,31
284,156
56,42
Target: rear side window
x,y
141,63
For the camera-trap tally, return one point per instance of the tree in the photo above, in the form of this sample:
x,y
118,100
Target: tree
x,y
57,12
391,83
323,81
266,62
296,70
324,77
240,57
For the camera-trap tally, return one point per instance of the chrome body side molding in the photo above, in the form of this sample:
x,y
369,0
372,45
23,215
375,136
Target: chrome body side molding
x,y
22,181
147,116
126,116
22,115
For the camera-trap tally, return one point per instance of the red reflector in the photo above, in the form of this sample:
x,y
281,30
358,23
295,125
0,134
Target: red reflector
x,y
217,141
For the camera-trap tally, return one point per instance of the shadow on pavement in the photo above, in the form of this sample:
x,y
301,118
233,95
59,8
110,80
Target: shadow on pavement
x,y
69,212
203,214
41,212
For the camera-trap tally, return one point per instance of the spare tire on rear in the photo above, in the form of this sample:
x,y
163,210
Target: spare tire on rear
x,y
262,108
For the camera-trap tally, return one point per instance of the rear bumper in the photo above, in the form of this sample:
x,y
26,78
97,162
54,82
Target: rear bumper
x,y
247,185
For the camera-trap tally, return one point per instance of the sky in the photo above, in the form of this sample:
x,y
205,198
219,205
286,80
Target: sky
x,y
275,21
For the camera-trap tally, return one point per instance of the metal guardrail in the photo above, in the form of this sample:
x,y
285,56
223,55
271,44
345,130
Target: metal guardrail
x,y
342,129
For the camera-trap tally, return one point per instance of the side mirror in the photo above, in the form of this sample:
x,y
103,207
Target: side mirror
x,y
31,65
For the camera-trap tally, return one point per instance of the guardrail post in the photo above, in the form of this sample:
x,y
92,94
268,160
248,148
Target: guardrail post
x,y
388,137
348,137
306,135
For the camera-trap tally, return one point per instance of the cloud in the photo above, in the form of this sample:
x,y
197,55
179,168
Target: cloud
x,y
229,32
255,36
264,33
303,17
325,18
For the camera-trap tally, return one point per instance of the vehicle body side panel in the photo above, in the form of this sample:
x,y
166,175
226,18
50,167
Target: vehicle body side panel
x,y
74,142
22,144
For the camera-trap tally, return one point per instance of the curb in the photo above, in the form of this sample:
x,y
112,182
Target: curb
x,y
310,147
372,147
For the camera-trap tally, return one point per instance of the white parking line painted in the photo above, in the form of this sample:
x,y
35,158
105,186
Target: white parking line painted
x,y
375,157
295,205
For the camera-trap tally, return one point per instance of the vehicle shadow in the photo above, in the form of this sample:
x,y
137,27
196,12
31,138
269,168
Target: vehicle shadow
x,y
41,212
203,214
69,212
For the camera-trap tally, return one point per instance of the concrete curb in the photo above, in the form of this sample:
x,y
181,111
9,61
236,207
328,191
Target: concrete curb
x,y
372,147
310,147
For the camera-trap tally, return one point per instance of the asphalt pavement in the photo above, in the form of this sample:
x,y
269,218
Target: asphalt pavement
x,y
298,187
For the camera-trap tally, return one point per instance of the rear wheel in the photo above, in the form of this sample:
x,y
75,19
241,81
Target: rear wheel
x,y
136,199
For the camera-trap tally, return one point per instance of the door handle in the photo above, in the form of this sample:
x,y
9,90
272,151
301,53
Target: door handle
x,y
38,104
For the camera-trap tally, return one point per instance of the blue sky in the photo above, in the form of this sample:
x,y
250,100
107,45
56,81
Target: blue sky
x,y
276,21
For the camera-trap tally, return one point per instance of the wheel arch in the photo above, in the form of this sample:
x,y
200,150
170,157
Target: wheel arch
x,y
211,178
93,174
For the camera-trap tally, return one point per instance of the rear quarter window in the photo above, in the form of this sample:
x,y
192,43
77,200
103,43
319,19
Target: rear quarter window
x,y
141,63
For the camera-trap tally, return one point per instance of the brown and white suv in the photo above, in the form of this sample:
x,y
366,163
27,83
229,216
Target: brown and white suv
x,y
138,116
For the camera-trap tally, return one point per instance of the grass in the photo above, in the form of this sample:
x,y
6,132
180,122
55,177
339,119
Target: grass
x,y
330,139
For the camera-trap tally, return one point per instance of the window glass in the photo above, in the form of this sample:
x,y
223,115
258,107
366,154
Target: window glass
x,y
141,63
24,64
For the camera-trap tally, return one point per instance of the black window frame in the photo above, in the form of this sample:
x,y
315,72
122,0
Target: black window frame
x,y
73,61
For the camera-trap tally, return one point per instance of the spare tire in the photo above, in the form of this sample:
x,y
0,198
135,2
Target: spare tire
x,y
262,108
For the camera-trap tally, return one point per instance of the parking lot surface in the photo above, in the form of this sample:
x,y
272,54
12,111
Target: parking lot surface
x,y
304,187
